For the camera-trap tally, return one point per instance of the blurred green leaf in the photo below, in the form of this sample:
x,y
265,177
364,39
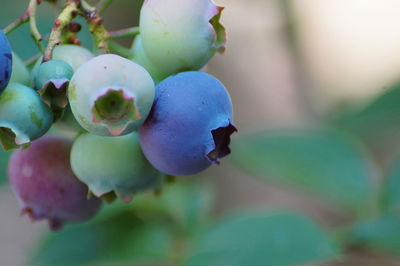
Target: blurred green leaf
x,y
144,231
187,204
4,156
380,233
378,119
120,239
324,162
391,188
262,239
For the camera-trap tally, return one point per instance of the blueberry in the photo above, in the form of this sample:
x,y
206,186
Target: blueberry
x,y
20,73
51,81
139,56
43,182
190,124
5,61
181,35
73,55
24,117
111,95
112,164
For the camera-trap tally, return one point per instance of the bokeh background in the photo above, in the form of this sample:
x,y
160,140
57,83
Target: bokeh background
x,y
316,101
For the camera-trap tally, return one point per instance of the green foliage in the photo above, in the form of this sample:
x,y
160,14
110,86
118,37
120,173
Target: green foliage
x,y
146,231
325,162
3,165
378,119
380,233
391,189
262,238
120,238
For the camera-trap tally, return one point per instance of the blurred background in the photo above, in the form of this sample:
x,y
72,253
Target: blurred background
x,y
317,104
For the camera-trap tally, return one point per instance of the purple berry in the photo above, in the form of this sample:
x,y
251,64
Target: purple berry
x,y
190,124
43,181
5,61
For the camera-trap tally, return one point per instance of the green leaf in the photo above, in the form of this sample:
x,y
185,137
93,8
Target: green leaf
x,y
4,156
378,119
323,162
380,233
119,239
187,204
391,188
262,239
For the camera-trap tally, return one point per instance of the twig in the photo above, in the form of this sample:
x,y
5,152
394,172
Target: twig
x,y
96,26
66,16
30,61
32,18
119,49
24,18
102,5
123,33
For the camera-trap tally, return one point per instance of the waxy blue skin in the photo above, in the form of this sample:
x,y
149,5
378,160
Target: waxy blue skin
x,y
177,136
5,61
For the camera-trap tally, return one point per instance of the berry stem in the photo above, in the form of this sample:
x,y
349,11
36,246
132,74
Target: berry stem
x,y
24,18
96,26
37,37
119,49
30,61
66,16
102,5
133,31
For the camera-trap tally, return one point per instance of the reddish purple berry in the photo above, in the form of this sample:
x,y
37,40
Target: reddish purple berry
x,y
43,181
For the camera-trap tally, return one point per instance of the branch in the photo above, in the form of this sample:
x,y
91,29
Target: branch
x,y
66,16
102,5
133,31
34,30
125,52
17,23
96,26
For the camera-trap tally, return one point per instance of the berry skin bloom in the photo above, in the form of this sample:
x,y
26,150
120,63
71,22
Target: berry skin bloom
x,y
190,124
113,164
181,35
24,117
110,95
42,180
5,61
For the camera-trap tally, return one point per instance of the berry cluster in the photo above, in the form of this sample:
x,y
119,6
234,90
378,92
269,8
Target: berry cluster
x,y
136,118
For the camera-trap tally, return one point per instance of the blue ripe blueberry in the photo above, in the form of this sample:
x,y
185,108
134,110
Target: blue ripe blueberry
x,y
139,56
5,61
190,124
43,182
112,165
181,35
24,117
51,81
20,73
111,95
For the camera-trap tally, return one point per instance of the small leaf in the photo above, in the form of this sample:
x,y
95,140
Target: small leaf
x,y
119,239
4,156
391,190
380,233
324,162
378,119
261,239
